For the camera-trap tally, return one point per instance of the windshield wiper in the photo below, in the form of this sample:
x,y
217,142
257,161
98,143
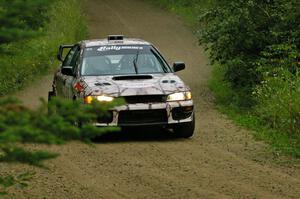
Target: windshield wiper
x,y
135,61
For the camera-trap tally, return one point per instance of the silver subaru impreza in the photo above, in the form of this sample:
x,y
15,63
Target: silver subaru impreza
x,y
133,69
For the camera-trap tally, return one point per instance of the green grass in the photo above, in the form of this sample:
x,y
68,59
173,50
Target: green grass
x,y
37,56
226,98
279,141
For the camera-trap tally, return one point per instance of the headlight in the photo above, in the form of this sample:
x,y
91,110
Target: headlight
x,y
180,96
101,98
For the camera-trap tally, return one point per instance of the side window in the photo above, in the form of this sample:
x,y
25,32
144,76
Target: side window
x,y
75,58
69,57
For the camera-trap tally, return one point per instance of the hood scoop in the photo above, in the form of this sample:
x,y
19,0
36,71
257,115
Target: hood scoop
x,y
132,77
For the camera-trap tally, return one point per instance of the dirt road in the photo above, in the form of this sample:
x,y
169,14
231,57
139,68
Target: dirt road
x,y
220,161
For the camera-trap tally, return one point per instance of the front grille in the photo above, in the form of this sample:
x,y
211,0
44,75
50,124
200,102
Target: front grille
x,y
145,99
142,117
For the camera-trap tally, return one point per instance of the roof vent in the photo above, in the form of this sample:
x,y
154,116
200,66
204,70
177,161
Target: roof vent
x,y
115,37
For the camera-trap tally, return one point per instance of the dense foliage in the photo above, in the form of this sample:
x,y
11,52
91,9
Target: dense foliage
x,y
24,60
258,43
250,37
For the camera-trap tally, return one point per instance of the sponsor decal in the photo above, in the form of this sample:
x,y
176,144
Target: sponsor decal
x,y
117,48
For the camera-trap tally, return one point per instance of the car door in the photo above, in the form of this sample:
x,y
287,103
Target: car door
x,y
70,80
61,78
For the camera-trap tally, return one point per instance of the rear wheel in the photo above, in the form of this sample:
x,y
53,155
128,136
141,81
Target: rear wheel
x,y
185,130
51,94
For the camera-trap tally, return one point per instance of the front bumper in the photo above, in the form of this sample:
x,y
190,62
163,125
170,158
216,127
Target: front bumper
x,y
141,114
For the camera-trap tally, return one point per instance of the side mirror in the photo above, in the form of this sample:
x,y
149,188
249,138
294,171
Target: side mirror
x,y
61,50
178,66
67,70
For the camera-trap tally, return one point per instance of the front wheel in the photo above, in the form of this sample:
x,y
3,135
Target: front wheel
x,y
185,130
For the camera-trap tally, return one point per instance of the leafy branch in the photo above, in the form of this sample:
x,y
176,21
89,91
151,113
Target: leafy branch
x,y
53,123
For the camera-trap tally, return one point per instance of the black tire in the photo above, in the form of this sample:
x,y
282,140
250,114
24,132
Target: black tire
x,y
51,94
128,129
185,130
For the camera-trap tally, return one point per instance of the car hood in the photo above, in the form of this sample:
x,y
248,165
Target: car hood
x,y
154,84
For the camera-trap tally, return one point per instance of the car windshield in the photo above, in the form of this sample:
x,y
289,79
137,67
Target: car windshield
x,y
122,60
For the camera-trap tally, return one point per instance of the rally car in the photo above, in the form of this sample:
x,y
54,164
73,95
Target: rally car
x,y
133,69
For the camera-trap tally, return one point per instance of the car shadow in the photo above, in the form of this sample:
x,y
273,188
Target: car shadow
x,y
140,134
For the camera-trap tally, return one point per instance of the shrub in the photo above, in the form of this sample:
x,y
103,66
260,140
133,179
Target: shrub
x,y
238,32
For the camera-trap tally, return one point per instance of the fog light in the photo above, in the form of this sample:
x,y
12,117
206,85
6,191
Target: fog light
x,y
88,99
